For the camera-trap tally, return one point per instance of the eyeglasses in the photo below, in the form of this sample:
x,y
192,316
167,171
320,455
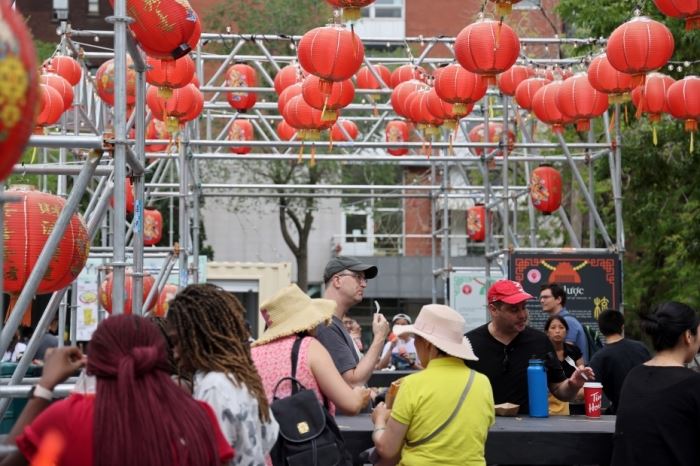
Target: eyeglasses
x,y
545,296
359,277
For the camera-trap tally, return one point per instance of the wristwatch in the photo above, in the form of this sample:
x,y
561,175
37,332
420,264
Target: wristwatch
x,y
37,391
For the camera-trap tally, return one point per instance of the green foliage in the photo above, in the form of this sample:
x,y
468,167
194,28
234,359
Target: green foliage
x,y
44,49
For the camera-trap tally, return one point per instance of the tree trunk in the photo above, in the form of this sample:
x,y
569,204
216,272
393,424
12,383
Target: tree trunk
x,y
303,266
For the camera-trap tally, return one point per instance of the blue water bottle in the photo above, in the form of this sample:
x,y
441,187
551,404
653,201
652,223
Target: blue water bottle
x,y
537,388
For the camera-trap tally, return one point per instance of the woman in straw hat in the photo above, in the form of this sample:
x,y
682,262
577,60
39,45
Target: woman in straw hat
x,y
289,315
441,414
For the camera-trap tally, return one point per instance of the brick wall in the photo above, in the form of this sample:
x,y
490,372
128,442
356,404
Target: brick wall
x,y
39,14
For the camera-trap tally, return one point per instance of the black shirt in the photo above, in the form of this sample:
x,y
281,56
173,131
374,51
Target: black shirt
x,y
658,418
506,365
574,353
612,364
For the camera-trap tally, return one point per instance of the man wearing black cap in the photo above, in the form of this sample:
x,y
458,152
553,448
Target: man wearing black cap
x,y
345,279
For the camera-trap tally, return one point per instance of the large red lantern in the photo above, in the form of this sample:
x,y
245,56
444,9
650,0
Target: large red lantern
x,y
544,105
476,222
304,118
152,227
166,295
684,9
683,99
545,189
240,130
341,95
487,48
526,91
164,29
107,286
50,106
351,8
288,75
397,131
333,53
650,97
401,93
284,131
104,82
418,111
287,95
64,66
28,224
607,79
406,73
170,74
61,85
366,80
458,86
580,101
184,105
508,81
639,46
349,127
241,75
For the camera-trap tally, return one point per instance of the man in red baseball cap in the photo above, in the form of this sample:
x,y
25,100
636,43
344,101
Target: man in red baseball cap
x,y
506,344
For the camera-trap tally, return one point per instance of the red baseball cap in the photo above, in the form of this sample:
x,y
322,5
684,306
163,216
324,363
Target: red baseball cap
x,y
508,291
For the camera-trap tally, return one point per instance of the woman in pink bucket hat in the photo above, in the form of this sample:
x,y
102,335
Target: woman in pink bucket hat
x,y
441,414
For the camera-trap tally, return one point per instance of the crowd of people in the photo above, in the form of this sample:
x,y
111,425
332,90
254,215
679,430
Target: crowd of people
x,y
195,388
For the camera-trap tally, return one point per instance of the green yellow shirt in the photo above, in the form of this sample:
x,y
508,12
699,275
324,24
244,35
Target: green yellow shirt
x,y
427,398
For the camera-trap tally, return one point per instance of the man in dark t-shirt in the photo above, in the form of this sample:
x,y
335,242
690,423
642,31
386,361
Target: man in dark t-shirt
x,y
619,356
506,344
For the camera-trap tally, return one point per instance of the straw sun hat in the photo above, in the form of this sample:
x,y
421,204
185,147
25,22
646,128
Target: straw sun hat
x,y
442,326
291,311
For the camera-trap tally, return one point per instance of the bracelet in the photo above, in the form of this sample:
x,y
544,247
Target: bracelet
x,y
38,391
378,429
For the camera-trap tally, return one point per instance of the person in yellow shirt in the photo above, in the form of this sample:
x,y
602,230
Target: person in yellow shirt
x,y
442,414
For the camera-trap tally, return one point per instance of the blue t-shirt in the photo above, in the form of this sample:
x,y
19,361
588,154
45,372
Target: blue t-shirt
x,y
576,335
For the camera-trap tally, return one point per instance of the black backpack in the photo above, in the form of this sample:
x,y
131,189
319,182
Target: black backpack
x,y
308,434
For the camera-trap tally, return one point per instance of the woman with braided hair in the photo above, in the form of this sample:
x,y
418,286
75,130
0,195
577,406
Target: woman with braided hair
x,y
137,415
210,343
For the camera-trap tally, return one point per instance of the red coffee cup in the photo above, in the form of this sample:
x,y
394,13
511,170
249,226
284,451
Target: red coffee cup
x,y
593,398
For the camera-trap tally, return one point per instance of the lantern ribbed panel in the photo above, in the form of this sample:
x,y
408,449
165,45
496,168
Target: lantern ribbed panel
x,y
301,115
578,100
650,97
285,131
396,131
526,91
406,73
417,106
476,223
483,48
683,99
477,134
287,76
401,92
156,130
439,108
342,93
64,66
241,130
61,85
287,95
366,80
544,105
509,80
152,227
50,106
684,9
166,295
545,189
349,126
104,82
28,224
639,46
107,285
605,78
332,53
456,85
241,75
171,74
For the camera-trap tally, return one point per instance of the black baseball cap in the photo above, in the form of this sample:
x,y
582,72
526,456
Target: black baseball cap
x,y
340,263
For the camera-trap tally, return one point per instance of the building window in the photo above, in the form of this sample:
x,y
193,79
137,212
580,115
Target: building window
x,y
93,7
384,9
528,5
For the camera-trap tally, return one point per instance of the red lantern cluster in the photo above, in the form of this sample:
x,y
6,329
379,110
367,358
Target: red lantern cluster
x,y
418,112
487,48
545,189
50,105
184,105
579,101
306,119
400,94
397,131
169,74
684,9
64,66
61,85
650,97
241,130
107,286
152,227
241,75
476,222
288,75
546,108
341,95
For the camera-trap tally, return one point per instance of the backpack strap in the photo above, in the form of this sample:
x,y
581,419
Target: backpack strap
x,y
295,361
449,419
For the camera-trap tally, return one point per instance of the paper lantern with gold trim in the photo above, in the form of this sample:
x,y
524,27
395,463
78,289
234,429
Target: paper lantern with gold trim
x,y
396,131
580,101
240,130
476,222
458,86
341,95
104,82
487,48
607,79
152,226
166,295
683,99
107,287
241,75
169,74
545,189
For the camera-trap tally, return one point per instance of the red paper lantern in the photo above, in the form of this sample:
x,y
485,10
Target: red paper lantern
x,y
241,130
684,9
683,99
166,295
351,8
580,101
545,189
165,29
607,79
50,106
509,80
304,118
107,285
366,80
495,132
401,93
184,105
332,53
156,130
504,7
129,196
287,95
28,224
288,75
458,86
19,91
526,91
285,131
152,227
418,111
544,105
350,128
397,131
104,83
170,74
341,95
241,75
476,222
487,48
406,73
64,66
61,85
639,46
650,97
446,111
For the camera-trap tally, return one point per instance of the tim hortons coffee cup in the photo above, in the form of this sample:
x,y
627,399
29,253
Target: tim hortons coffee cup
x,y
593,398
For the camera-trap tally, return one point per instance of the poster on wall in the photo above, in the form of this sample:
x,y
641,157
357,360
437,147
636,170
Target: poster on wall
x,y
593,282
468,295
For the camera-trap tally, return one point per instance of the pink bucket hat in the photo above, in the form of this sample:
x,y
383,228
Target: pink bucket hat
x,y
442,326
